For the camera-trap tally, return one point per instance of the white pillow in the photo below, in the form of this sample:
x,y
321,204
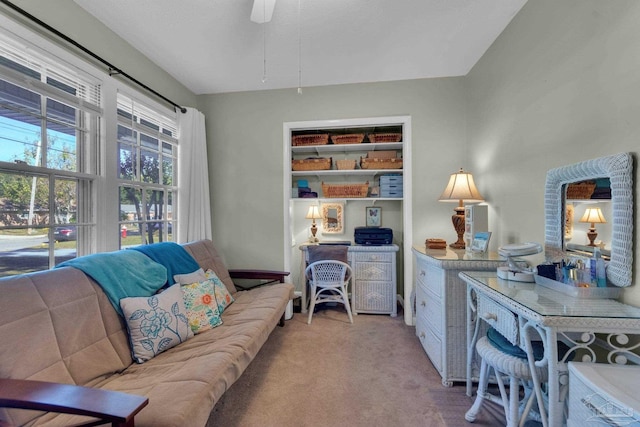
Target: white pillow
x,y
189,278
156,323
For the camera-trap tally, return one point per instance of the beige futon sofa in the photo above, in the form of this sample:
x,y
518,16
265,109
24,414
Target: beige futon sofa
x,y
58,327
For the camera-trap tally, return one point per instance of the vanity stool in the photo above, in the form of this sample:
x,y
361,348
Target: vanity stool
x,y
498,354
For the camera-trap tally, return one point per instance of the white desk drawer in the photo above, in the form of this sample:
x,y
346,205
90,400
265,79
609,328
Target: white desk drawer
x,y
374,297
373,271
431,307
432,278
500,318
374,256
430,342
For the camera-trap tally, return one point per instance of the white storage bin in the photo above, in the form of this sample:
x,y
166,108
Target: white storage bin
x,y
602,394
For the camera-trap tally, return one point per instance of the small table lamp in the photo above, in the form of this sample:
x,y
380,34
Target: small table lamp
x,y
461,188
313,213
593,215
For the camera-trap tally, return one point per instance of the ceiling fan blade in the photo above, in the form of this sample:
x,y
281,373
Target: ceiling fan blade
x,y
262,11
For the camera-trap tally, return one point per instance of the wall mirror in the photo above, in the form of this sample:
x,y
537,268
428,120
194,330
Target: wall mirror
x,y
332,218
617,169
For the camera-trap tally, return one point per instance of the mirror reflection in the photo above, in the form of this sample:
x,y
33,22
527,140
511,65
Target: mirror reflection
x,y
614,175
332,218
588,216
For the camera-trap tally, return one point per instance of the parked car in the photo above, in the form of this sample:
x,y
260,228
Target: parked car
x,y
65,234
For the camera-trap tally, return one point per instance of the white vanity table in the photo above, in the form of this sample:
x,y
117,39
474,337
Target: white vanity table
x,y
594,330
440,305
523,312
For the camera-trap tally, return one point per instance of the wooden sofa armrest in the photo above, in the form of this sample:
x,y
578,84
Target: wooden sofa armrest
x,y
264,277
269,275
112,406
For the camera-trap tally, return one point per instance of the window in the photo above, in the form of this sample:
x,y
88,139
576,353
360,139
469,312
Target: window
x,y
50,130
147,155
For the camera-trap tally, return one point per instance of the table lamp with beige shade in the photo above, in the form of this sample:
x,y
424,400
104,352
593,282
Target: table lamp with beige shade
x,y
313,213
461,188
593,216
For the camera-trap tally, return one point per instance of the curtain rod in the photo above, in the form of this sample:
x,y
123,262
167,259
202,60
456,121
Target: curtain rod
x,y
112,68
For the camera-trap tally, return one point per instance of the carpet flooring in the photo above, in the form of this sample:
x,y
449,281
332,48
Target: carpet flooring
x,y
373,372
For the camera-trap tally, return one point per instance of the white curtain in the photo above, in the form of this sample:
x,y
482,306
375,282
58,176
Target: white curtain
x,y
194,209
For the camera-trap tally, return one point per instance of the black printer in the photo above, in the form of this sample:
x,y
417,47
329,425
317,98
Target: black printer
x,y
373,236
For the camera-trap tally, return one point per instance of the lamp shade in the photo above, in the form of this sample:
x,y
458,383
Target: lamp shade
x,y
461,187
313,212
593,215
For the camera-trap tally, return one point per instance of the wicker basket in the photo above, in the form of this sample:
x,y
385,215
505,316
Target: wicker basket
x,y
385,137
346,164
313,139
386,154
581,190
368,163
345,190
352,138
315,164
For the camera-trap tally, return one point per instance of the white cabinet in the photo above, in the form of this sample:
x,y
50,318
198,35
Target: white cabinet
x,y
441,306
374,286
386,143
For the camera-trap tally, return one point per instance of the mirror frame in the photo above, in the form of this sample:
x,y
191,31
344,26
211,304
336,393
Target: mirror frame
x,y
338,228
618,168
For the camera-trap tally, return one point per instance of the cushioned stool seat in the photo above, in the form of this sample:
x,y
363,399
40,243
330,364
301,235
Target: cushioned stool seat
x,y
516,369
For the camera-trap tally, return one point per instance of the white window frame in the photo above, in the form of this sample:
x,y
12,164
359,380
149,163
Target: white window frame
x,y
167,120
105,182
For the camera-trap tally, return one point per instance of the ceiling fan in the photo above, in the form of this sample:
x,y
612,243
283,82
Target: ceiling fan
x,y
262,11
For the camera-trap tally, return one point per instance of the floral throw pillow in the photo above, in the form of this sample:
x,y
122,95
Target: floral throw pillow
x,y
202,309
156,323
223,297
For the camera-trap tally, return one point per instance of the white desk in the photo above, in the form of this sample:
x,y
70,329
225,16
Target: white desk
x,y
524,312
374,287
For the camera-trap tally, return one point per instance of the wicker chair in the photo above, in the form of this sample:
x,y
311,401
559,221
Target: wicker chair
x,y
516,369
328,281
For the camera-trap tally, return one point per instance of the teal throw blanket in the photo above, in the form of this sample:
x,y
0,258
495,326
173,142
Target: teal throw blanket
x,y
172,256
121,274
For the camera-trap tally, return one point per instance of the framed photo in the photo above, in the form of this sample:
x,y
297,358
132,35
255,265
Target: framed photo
x,y
373,216
332,218
480,241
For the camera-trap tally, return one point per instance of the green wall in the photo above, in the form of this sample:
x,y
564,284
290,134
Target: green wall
x,y
559,86
245,136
